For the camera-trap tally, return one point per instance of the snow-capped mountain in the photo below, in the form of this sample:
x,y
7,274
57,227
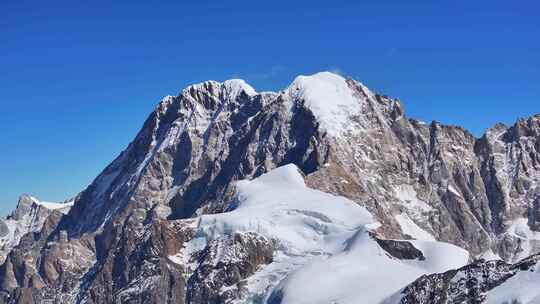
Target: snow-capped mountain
x,y
321,193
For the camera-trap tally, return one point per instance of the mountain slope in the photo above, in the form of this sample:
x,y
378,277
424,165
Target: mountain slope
x,y
138,226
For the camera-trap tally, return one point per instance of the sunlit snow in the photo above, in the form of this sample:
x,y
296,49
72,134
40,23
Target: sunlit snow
x,y
323,243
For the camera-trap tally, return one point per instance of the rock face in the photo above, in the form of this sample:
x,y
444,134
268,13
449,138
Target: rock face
x,y
130,227
28,217
226,262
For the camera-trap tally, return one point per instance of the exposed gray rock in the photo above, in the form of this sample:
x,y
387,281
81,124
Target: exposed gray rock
x,y
28,217
4,229
224,264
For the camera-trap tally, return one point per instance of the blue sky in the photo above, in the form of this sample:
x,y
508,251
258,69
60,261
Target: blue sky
x,y
78,79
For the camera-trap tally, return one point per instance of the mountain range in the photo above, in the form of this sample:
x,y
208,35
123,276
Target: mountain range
x,y
324,192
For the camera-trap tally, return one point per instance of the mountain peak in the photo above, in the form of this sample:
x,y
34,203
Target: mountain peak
x,y
230,89
329,96
234,87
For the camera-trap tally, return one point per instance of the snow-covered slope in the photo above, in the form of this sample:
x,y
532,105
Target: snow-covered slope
x,y
322,241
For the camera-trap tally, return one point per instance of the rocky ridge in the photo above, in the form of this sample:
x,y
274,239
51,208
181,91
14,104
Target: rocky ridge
x,y
28,217
481,282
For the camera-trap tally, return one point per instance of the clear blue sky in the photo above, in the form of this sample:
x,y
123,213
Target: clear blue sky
x,y
78,78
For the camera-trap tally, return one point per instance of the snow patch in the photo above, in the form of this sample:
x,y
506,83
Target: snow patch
x,y
454,191
329,97
519,228
409,199
233,88
410,228
177,259
62,207
489,255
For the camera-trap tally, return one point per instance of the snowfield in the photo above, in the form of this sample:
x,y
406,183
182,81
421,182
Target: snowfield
x,y
323,244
